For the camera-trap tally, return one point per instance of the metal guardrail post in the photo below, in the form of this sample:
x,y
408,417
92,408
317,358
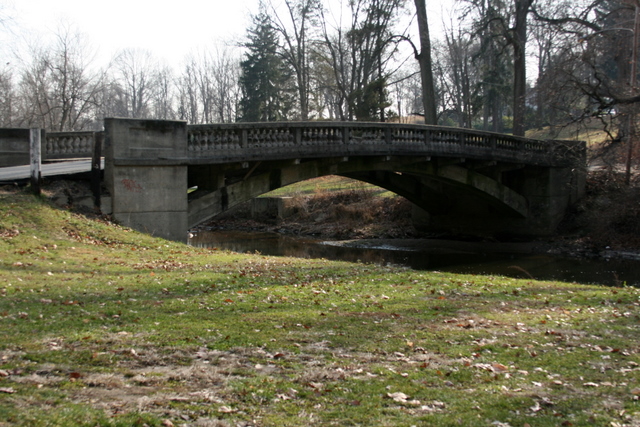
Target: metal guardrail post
x,y
96,169
35,159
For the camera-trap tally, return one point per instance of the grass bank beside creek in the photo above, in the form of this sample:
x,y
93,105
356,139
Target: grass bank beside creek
x,y
103,326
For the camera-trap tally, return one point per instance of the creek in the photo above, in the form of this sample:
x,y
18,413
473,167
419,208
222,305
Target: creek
x,y
522,260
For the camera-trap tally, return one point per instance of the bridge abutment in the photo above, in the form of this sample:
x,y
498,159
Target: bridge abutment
x,y
146,174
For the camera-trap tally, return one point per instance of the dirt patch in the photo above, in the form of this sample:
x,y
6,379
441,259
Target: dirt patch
x,y
209,385
351,214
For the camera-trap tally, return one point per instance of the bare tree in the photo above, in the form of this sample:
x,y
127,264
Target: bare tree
x,y
137,78
360,55
407,90
59,89
208,87
460,78
7,95
601,36
188,106
163,96
226,72
490,25
296,32
503,24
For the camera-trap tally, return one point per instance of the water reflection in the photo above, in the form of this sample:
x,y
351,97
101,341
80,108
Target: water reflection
x,y
429,256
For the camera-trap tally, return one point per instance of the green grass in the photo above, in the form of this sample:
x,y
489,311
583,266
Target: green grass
x,y
328,184
591,131
104,326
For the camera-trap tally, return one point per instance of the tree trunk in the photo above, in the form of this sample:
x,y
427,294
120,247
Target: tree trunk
x,y
426,72
520,66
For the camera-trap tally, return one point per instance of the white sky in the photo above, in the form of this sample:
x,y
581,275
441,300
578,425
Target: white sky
x,y
170,30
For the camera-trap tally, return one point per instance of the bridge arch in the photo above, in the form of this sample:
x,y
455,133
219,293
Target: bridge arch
x,y
423,183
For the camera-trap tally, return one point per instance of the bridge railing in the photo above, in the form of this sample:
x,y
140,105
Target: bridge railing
x,y
264,141
15,146
68,145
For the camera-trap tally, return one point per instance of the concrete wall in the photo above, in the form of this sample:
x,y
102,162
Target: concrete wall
x,y
146,174
14,147
272,207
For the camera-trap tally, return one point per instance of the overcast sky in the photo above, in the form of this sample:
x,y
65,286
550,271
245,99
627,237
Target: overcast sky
x,y
170,30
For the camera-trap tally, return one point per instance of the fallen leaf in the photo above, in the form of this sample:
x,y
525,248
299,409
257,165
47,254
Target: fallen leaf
x,y
8,390
398,397
498,367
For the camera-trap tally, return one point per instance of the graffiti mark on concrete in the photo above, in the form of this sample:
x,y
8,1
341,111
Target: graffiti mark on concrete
x,y
132,186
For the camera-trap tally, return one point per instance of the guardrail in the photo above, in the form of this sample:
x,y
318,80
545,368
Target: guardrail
x,y
20,147
264,141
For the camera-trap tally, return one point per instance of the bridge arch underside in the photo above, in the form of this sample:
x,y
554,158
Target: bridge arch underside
x,y
455,196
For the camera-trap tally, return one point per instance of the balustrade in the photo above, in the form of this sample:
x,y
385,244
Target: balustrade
x,y
65,145
274,140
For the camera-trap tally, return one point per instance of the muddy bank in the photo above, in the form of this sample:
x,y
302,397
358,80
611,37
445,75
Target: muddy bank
x,y
446,246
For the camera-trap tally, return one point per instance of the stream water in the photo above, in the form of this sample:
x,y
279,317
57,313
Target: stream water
x,y
456,257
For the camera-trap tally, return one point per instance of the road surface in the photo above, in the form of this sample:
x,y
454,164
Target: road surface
x,y
16,173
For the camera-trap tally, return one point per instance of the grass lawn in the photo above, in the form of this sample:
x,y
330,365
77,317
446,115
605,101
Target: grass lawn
x,y
328,184
103,326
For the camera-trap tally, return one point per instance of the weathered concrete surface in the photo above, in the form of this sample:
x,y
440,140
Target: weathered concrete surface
x,y
153,198
15,150
272,207
14,147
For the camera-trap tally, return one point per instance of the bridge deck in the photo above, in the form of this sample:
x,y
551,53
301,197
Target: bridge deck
x,y
18,173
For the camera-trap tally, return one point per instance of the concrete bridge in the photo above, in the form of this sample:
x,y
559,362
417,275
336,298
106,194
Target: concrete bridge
x,y
465,181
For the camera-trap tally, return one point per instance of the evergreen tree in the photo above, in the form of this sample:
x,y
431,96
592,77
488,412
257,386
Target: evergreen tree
x,y
265,79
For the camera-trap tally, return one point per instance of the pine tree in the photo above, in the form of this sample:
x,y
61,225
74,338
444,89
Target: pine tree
x,y
265,79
